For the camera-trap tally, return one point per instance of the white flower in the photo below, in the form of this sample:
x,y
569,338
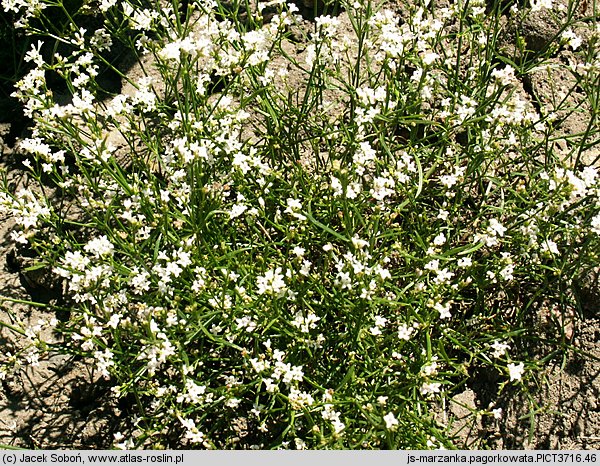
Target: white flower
x,y
430,57
499,348
33,357
390,421
305,324
430,388
464,262
443,276
336,186
76,260
237,210
448,180
192,432
300,444
233,403
105,5
404,332
364,155
443,309
430,369
596,224
353,190
537,5
549,246
369,97
443,214
382,188
380,321
433,264
299,399
293,208
496,228
375,331
337,425
507,272
439,239
246,323
139,280
271,283
515,371
467,108
506,76
99,246
34,55
359,243
305,270
298,251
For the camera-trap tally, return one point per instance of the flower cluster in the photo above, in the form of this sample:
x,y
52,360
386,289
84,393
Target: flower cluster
x,y
267,250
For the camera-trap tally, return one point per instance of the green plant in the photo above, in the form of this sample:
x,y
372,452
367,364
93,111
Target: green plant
x,y
267,249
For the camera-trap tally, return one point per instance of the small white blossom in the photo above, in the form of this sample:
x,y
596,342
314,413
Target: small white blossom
x,y
506,76
537,5
439,239
515,371
272,283
391,422
464,262
99,247
443,309
495,228
499,348
595,224
430,388
404,332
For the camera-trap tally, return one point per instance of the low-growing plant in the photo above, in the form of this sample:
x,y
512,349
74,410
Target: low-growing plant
x,y
307,243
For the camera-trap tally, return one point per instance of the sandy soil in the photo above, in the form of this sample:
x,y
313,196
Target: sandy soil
x,y
59,404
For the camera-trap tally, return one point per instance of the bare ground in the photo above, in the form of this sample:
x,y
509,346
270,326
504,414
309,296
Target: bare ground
x,y
60,404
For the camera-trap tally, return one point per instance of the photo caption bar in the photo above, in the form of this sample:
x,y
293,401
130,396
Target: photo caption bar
x,y
289,458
